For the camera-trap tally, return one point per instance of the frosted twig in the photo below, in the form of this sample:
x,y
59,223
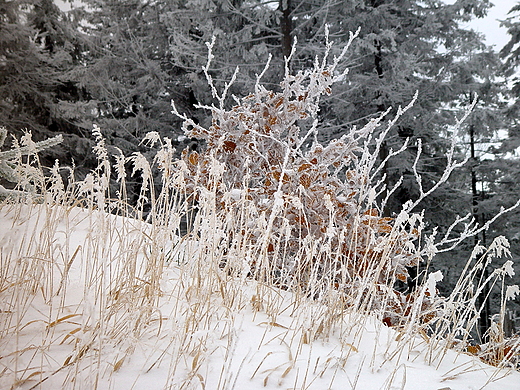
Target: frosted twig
x,y
418,178
451,163
287,60
337,59
210,45
471,229
266,67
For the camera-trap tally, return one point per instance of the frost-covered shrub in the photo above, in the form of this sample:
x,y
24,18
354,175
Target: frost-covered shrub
x,y
305,190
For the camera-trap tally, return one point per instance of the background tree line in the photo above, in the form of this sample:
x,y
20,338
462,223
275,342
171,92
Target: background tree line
x,y
119,63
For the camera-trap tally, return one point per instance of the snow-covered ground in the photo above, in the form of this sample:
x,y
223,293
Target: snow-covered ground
x,y
75,315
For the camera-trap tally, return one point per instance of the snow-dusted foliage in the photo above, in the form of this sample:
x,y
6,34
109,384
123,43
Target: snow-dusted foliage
x,y
301,190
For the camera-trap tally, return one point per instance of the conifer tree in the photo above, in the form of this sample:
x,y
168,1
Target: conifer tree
x,y
37,49
129,73
24,77
501,174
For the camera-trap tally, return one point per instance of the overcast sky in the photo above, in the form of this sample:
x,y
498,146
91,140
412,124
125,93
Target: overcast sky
x,y
490,25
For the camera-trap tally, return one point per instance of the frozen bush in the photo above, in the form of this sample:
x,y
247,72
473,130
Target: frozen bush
x,y
305,190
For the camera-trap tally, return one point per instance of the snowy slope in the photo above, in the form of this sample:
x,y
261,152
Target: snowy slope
x,y
71,319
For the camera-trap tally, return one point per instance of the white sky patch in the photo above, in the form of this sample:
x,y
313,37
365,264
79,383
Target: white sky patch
x,y
490,25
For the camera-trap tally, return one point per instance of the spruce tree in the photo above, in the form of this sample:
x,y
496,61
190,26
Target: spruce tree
x,y
38,48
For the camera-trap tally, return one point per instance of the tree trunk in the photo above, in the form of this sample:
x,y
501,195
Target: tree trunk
x,y
484,321
286,27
